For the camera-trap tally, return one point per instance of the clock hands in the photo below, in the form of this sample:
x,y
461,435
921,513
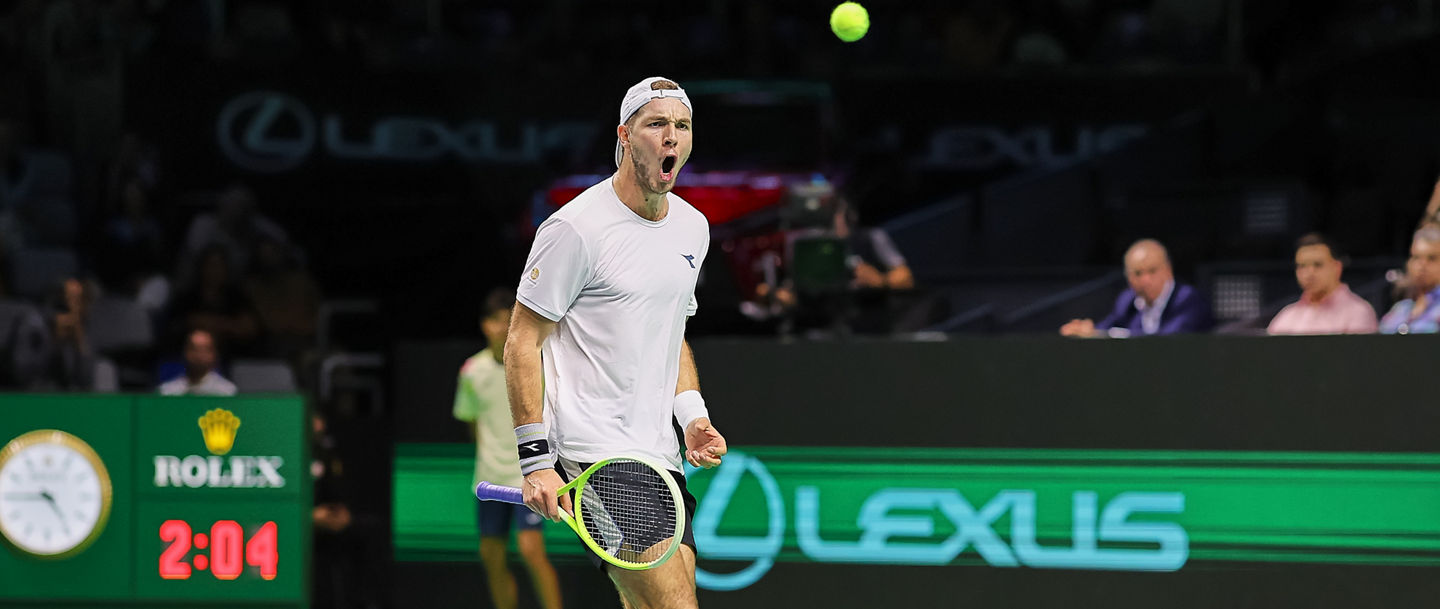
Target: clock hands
x,y
45,466
51,499
45,496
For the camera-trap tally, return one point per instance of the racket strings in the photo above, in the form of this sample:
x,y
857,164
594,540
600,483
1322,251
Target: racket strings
x,y
629,511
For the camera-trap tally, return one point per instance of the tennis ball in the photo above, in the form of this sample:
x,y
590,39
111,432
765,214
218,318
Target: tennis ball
x,y
849,21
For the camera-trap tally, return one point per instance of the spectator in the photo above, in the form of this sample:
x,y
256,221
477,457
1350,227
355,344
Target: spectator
x,y
1432,209
73,363
1153,305
336,544
137,160
35,193
872,256
870,260
14,185
330,514
976,36
134,248
235,225
481,401
1420,312
202,376
216,304
286,298
1326,305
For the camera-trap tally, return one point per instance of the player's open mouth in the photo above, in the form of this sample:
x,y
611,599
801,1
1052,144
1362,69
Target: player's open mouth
x,y
667,168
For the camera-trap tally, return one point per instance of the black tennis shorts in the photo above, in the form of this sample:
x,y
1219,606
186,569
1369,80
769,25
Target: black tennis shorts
x,y
688,538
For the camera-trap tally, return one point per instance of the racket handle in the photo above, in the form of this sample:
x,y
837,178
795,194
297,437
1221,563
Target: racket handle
x,y
496,492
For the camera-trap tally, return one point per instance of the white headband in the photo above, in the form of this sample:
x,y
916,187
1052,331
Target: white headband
x,y
638,96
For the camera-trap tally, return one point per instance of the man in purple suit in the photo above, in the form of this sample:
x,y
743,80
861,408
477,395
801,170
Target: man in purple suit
x,y
1154,304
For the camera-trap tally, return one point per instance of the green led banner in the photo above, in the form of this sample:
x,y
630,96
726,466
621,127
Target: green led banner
x,y
1142,511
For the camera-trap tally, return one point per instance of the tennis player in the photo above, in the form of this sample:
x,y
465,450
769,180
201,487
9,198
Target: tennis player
x,y
605,295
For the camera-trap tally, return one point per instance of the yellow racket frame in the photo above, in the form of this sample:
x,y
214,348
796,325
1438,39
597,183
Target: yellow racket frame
x,y
577,521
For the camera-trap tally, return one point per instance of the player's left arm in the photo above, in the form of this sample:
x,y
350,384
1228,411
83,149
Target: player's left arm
x,y
704,446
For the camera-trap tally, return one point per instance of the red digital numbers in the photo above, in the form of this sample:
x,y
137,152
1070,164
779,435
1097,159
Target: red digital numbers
x,y
177,532
227,541
261,551
229,551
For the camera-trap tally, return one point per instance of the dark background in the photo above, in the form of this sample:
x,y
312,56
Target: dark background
x,y
1012,150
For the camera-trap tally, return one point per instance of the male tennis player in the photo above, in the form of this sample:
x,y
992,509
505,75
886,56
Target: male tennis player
x,y
605,295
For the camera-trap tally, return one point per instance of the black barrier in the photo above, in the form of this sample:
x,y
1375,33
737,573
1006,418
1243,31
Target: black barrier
x,y
1341,393
1243,471
1352,393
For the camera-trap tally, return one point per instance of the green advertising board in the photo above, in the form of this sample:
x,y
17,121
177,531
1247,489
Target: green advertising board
x,y
1100,510
1025,471
209,502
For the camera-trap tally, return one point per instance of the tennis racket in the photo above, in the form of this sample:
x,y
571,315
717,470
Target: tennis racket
x,y
628,511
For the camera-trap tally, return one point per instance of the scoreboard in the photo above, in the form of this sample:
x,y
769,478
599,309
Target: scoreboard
x,y
134,501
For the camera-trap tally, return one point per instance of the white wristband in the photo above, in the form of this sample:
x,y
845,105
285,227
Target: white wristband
x,y
533,448
688,407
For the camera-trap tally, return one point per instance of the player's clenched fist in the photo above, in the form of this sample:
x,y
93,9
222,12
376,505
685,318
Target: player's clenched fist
x,y
704,446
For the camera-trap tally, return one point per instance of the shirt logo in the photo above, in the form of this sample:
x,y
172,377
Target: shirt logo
x,y
534,274
689,258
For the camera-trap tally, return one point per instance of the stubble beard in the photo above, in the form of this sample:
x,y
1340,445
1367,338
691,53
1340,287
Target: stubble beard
x,y
644,175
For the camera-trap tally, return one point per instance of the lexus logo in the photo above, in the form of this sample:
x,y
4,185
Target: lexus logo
x,y
266,131
760,550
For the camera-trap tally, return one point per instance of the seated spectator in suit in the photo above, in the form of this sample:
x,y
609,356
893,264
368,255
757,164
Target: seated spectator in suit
x,y
201,374
1420,313
1326,305
1154,305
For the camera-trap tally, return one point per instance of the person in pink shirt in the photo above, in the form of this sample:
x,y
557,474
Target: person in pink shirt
x,y
1326,305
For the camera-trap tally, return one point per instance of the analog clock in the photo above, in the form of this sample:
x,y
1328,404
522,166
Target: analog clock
x,y
54,494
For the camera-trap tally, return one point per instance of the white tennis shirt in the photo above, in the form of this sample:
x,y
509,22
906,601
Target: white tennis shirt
x,y
620,288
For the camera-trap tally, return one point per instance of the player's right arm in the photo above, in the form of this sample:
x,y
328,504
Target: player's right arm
x,y
559,268
524,382
523,374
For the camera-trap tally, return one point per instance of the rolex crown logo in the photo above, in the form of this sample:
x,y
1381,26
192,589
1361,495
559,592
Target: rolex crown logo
x,y
218,427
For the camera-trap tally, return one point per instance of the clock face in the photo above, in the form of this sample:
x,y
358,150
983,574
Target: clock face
x,y
54,493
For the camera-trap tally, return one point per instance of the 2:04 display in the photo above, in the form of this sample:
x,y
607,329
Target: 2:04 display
x,y
226,551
